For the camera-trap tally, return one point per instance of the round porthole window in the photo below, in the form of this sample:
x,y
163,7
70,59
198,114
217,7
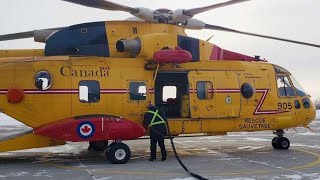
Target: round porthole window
x,y
43,80
246,90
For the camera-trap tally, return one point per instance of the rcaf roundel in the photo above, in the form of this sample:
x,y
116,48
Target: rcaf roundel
x,y
86,129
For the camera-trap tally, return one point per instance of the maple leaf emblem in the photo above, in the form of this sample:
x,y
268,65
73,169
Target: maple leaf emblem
x,y
86,129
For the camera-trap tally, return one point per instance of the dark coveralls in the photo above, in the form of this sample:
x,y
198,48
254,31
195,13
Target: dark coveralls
x,y
156,120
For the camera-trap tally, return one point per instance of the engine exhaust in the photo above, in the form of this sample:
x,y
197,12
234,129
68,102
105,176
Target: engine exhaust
x,y
133,46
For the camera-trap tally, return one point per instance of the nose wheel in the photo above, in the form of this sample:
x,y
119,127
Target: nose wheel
x,y
280,142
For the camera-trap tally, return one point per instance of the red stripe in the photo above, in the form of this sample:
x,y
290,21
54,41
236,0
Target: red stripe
x,y
217,90
67,91
257,111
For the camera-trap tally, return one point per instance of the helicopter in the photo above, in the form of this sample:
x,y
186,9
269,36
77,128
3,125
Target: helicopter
x,y
93,81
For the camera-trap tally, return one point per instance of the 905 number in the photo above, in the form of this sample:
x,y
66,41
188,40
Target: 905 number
x,y
285,105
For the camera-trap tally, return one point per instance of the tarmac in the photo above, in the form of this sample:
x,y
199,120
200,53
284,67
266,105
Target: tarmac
x,y
237,156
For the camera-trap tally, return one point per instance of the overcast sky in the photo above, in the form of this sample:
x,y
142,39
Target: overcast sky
x,y
293,19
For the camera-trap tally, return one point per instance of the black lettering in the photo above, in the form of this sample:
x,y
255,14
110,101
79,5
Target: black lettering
x,y
68,71
90,73
74,73
83,73
65,71
279,106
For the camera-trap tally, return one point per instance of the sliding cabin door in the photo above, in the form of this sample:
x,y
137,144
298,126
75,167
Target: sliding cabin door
x,y
214,94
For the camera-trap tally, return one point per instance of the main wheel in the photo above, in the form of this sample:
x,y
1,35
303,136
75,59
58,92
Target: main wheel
x,y
98,145
283,143
274,142
118,153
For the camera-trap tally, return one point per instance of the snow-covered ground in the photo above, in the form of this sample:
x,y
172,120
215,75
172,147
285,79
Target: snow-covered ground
x,y
8,121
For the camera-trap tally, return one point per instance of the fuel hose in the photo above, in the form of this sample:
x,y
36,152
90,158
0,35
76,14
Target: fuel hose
x,y
178,158
176,154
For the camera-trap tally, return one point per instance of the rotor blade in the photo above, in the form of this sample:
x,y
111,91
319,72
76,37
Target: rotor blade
x,y
22,35
103,4
194,11
219,28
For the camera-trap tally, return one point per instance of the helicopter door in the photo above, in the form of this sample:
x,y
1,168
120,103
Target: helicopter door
x,y
88,96
214,94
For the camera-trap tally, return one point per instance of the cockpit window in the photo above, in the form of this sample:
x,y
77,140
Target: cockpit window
x,y
284,87
298,87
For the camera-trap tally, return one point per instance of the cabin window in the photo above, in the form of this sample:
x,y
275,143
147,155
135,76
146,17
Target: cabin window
x,y
43,80
246,90
138,91
284,87
297,104
306,103
89,91
204,90
169,92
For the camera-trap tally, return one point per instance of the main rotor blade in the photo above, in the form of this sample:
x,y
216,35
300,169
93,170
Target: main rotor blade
x,y
103,4
23,35
194,11
220,28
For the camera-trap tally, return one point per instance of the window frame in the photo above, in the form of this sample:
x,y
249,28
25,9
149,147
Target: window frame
x,y
89,100
213,92
289,81
129,90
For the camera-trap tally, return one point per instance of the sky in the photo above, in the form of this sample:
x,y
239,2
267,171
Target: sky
x,y
292,19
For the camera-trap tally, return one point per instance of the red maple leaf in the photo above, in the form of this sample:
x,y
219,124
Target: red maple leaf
x,y
86,129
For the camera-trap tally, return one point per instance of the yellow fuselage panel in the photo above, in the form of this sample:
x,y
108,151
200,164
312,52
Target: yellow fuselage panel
x,y
230,110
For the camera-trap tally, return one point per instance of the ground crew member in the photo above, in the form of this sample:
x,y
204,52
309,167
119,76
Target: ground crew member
x,y
155,120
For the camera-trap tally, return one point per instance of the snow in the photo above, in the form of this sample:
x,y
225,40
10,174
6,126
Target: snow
x,y
8,121
304,145
318,115
256,139
104,178
309,134
239,179
189,178
293,177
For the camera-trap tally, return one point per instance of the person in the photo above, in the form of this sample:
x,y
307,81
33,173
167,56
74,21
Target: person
x,y
155,120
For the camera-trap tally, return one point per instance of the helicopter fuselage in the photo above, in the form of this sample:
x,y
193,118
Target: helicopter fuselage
x,y
211,94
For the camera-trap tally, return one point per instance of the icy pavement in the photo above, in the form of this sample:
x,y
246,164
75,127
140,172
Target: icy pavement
x,y
238,156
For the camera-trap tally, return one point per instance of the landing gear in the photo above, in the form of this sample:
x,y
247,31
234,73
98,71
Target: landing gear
x,y
97,145
280,142
118,153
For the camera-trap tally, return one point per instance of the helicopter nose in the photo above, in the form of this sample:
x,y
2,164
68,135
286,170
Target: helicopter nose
x,y
311,114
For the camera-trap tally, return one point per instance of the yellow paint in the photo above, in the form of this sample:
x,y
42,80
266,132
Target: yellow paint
x,y
219,113
28,141
21,53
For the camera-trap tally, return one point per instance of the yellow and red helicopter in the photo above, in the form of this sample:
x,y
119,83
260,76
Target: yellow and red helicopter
x,y
93,81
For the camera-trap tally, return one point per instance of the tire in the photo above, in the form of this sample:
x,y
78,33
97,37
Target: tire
x,y
274,143
118,153
98,145
283,143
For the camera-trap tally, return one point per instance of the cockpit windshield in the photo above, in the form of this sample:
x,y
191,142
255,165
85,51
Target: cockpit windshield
x,y
283,82
300,91
284,87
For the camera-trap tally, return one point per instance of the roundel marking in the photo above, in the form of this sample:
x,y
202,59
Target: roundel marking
x,y
85,129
